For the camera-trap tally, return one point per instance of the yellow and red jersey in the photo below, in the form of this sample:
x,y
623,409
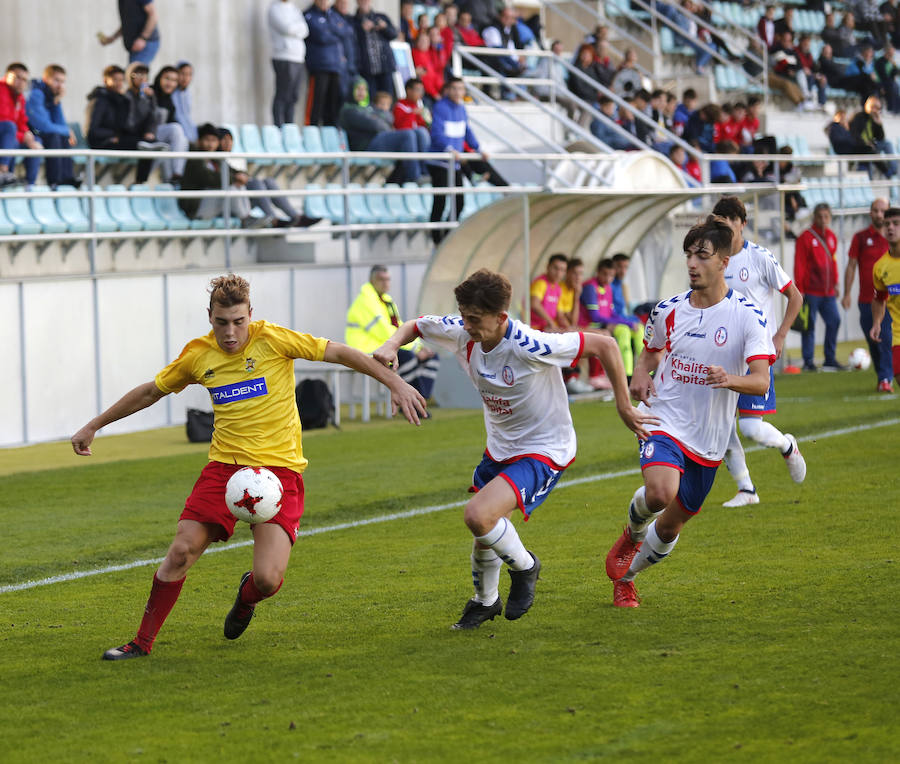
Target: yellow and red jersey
x,y
252,392
886,280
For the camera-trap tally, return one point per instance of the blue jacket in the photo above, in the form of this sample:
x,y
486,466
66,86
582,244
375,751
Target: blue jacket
x,y
44,116
605,132
328,33
450,127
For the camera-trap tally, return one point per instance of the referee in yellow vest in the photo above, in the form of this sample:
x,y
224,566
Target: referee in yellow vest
x,y
373,318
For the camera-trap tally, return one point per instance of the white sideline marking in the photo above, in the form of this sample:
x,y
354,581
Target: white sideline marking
x,y
394,516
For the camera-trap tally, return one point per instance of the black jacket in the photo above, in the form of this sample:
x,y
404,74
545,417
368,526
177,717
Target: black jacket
x,y
106,118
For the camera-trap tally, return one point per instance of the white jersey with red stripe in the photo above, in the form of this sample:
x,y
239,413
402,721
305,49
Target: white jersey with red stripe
x,y
526,409
755,273
729,334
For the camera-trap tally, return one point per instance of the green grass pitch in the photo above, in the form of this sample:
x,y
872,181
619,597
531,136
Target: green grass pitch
x,y
770,634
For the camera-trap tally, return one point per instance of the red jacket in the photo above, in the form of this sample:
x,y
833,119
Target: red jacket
x,y
406,116
432,61
815,270
12,109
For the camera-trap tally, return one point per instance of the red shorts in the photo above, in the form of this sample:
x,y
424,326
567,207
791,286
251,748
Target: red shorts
x,y
206,504
895,354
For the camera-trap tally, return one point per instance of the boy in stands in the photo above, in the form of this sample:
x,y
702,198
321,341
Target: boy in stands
x,y
545,293
248,368
530,438
754,272
886,280
699,344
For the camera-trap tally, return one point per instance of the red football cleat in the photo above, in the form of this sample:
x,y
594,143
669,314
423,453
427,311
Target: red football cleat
x,y
625,595
619,558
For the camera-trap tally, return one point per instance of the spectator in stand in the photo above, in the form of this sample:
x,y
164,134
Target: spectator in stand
x,y
292,218
111,124
551,69
870,19
544,296
504,33
442,25
867,127
374,32
14,130
410,113
720,170
184,108
840,137
287,34
604,130
765,27
409,30
682,16
845,45
816,276
139,30
466,33
168,130
722,126
621,302
629,61
757,171
603,62
481,11
831,35
890,13
784,69
640,102
866,248
206,175
701,127
429,64
786,22
142,117
815,82
346,25
829,68
859,76
326,60
369,129
585,90
886,74
48,123
679,158
684,110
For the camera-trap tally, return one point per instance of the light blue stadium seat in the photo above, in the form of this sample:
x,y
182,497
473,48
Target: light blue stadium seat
x,y
171,214
312,139
72,213
721,74
293,143
145,210
44,211
252,142
274,143
18,211
378,204
333,141
6,227
359,208
396,206
419,205
120,210
103,221
335,205
314,205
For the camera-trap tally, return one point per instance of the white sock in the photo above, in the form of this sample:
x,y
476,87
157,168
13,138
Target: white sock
x,y
485,574
652,551
639,514
504,540
736,462
764,433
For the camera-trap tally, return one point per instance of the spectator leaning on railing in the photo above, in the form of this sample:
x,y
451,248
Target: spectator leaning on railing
x,y
48,123
287,34
14,131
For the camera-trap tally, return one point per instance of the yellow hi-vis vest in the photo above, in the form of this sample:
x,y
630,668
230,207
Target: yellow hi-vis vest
x,y
369,322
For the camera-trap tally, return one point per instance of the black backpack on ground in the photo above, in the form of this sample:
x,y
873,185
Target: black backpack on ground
x,y
315,403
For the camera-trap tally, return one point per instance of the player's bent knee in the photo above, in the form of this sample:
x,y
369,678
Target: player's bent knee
x,y
658,496
477,520
267,581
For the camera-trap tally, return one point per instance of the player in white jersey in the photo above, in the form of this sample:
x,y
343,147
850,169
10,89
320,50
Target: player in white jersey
x,y
754,271
530,437
700,344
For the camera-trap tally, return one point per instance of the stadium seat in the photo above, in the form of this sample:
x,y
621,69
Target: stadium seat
x,y
359,209
252,143
312,139
314,205
172,215
419,205
293,143
378,204
19,214
335,204
120,210
6,227
332,140
273,143
145,210
72,213
396,206
44,211
103,221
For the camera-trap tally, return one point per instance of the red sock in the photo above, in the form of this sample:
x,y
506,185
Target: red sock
x,y
250,595
163,595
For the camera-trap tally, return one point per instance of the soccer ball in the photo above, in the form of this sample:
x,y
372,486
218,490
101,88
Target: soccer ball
x,y
254,494
860,359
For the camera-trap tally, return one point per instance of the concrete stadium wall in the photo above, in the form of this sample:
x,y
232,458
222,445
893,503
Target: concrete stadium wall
x,y
226,41
62,367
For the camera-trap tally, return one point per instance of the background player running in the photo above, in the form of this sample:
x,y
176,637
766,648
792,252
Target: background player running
x,y
530,438
248,368
754,272
700,344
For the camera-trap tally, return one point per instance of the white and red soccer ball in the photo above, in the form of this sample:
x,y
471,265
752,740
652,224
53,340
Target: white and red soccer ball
x,y
860,359
254,494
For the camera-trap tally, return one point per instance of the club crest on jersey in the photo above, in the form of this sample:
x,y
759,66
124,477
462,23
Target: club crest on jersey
x,y
251,364
721,336
743,274
508,376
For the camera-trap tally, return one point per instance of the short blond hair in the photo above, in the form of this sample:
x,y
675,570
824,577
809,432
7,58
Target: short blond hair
x,y
228,291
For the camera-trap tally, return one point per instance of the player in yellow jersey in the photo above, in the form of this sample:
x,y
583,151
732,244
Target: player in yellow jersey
x,y
886,280
248,369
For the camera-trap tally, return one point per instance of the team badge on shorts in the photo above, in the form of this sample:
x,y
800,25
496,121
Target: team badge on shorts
x,y
251,364
743,274
721,336
508,376
647,449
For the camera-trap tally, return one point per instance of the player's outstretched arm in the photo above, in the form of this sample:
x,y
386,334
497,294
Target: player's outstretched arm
x,y
386,355
134,400
607,350
404,397
755,382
